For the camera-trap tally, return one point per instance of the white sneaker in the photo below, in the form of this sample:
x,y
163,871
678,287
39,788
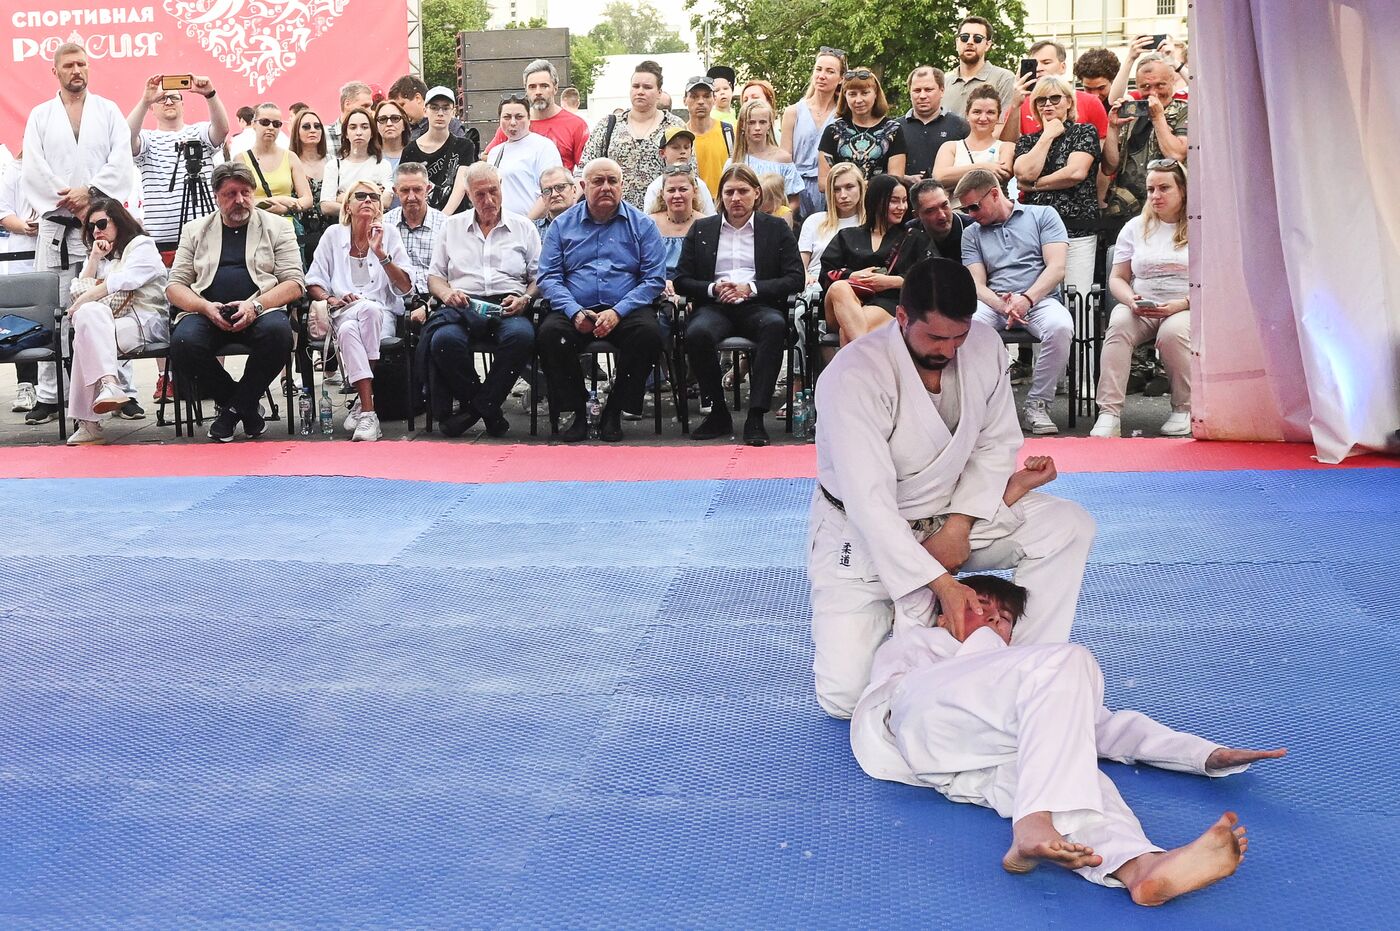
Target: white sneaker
x,y
1178,424
110,398
25,398
89,433
1107,425
367,430
1037,419
352,416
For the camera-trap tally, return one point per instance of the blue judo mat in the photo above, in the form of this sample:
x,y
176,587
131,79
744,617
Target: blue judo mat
x,y
297,702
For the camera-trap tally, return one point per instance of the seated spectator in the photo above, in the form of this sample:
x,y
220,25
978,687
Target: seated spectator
x,y
233,276
358,159
1135,141
521,156
118,306
861,290
675,209
936,229
491,256
445,154
774,197
756,145
282,185
845,199
1052,61
738,269
1016,254
602,269
677,149
20,223
1150,282
418,226
1057,166
927,125
558,192
634,137
863,131
364,293
980,148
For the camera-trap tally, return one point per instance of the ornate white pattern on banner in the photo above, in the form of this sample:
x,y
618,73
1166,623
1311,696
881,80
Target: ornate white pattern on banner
x,y
259,39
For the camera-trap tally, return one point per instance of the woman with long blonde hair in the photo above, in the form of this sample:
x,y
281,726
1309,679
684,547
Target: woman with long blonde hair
x,y
756,145
806,120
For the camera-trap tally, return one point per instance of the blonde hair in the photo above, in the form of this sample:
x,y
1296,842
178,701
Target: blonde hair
x,y
658,203
828,223
1149,216
349,201
741,135
774,192
1053,84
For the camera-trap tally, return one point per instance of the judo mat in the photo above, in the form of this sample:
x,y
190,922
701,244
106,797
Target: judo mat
x,y
276,702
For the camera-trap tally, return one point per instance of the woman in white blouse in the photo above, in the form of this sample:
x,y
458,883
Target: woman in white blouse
x,y
361,271
360,159
1149,281
118,306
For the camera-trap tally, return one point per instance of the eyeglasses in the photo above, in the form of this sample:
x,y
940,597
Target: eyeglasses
x,y
1162,164
388,118
828,50
559,188
1053,100
99,225
860,74
313,127
977,204
363,196
972,37
275,124
170,98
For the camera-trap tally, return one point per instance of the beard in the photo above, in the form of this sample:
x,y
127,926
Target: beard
x,y
539,103
926,361
971,55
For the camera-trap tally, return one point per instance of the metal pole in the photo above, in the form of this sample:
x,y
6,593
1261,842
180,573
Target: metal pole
x,y
1103,39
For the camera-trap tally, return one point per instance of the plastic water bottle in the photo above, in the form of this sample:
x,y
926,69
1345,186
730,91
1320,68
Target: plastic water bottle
x,y
595,409
327,413
811,406
799,416
304,407
486,308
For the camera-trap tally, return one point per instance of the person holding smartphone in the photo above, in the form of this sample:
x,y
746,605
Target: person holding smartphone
x,y
1136,138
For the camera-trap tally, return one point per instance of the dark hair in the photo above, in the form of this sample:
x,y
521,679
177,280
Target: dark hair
x,y
649,67
245,114
744,175
1048,43
982,92
374,149
518,99
296,146
938,285
297,107
408,87
984,23
878,191
128,227
1097,63
1008,594
926,186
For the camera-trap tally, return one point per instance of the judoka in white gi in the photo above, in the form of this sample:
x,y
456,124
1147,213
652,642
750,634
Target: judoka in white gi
x,y
1019,729
918,437
72,143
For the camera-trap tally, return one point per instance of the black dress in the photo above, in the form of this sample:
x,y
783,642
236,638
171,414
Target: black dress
x,y
850,251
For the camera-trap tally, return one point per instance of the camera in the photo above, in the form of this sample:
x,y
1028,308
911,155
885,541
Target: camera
x,y
192,151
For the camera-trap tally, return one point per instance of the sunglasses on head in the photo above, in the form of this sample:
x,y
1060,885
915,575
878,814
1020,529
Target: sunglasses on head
x,y
515,98
972,37
860,74
672,170
828,50
1162,164
99,225
275,124
363,196
388,118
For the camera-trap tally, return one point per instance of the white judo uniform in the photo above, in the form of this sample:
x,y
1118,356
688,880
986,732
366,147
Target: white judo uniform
x,y
887,455
1016,729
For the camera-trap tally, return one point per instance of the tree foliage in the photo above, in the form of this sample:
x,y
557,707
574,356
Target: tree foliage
x,y
636,29
441,20
778,39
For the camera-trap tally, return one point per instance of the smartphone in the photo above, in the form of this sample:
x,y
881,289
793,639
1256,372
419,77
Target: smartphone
x,y
1145,304
228,312
1028,67
1158,39
1132,109
176,82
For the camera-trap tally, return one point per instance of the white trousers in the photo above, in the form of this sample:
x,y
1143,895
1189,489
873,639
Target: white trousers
x,y
97,339
1079,264
358,330
1020,731
1046,540
1127,331
1049,322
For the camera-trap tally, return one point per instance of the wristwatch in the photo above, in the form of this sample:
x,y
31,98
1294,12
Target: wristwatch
x,y
257,307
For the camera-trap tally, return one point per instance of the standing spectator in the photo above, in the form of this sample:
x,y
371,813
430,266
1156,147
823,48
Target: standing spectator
x,y
358,159
633,138
569,99
980,148
354,95
309,145
1142,46
521,157
863,132
73,143
714,141
602,269
1050,58
758,89
722,80
1016,254
974,42
756,145
411,95
19,226
805,121
738,269
936,230
564,128
160,154
445,155
417,224
233,276
1150,282
392,125
1161,133
1096,70
281,179
677,147
862,290
247,134
1056,166
927,125
558,192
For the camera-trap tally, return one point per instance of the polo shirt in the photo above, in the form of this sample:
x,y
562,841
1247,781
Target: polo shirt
x,y
958,87
921,140
1011,251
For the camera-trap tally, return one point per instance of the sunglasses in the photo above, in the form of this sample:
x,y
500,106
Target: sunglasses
x,y
976,205
388,118
313,127
99,225
275,124
971,37
673,170
559,188
1162,164
828,50
1053,100
363,196
860,74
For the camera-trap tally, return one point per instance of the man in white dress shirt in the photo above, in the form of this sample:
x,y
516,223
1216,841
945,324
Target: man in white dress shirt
x,y
491,256
522,157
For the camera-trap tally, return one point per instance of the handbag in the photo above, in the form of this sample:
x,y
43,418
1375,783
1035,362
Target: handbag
x,y
20,333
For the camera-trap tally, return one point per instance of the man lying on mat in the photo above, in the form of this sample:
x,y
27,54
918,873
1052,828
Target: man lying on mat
x,y
1020,729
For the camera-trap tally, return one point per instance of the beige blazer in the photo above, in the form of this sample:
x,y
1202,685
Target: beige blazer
x,y
273,255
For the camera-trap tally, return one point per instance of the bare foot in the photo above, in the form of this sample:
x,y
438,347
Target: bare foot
x,y
1034,839
1153,879
1226,757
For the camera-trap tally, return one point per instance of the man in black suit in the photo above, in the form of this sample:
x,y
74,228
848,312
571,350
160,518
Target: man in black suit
x,y
738,268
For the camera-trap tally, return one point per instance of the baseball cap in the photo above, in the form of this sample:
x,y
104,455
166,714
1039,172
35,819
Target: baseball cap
x,y
722,71
674,131
440,91
701,81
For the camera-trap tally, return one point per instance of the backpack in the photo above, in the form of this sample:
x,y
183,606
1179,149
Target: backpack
x,y
20,333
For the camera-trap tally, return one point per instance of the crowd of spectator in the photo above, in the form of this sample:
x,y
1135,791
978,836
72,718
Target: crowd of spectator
x,y
391,218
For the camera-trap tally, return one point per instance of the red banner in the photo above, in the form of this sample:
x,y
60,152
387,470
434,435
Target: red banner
x,y
254,50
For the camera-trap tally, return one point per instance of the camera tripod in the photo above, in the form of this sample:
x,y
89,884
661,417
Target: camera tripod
x,y
195,199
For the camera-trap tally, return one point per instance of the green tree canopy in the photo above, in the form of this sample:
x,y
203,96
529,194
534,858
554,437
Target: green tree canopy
x,y
637,29
441,20
778,39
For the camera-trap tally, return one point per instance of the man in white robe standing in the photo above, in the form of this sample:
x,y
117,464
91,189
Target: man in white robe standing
x,y
1020,729
72,143
918,438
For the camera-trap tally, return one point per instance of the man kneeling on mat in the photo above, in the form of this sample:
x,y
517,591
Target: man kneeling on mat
x,y
1020,729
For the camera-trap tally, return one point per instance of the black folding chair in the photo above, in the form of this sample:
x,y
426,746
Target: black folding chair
x,y
34,296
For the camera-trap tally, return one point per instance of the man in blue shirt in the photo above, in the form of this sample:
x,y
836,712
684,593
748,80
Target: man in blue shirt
x,y
602,269
1016,254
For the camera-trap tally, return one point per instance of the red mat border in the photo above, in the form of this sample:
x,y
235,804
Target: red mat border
x,y
537,462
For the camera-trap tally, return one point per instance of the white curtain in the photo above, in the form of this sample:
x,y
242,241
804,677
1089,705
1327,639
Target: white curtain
x,y
1295,222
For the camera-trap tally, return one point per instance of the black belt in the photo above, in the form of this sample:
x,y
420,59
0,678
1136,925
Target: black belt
x,y
835,501
71,223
